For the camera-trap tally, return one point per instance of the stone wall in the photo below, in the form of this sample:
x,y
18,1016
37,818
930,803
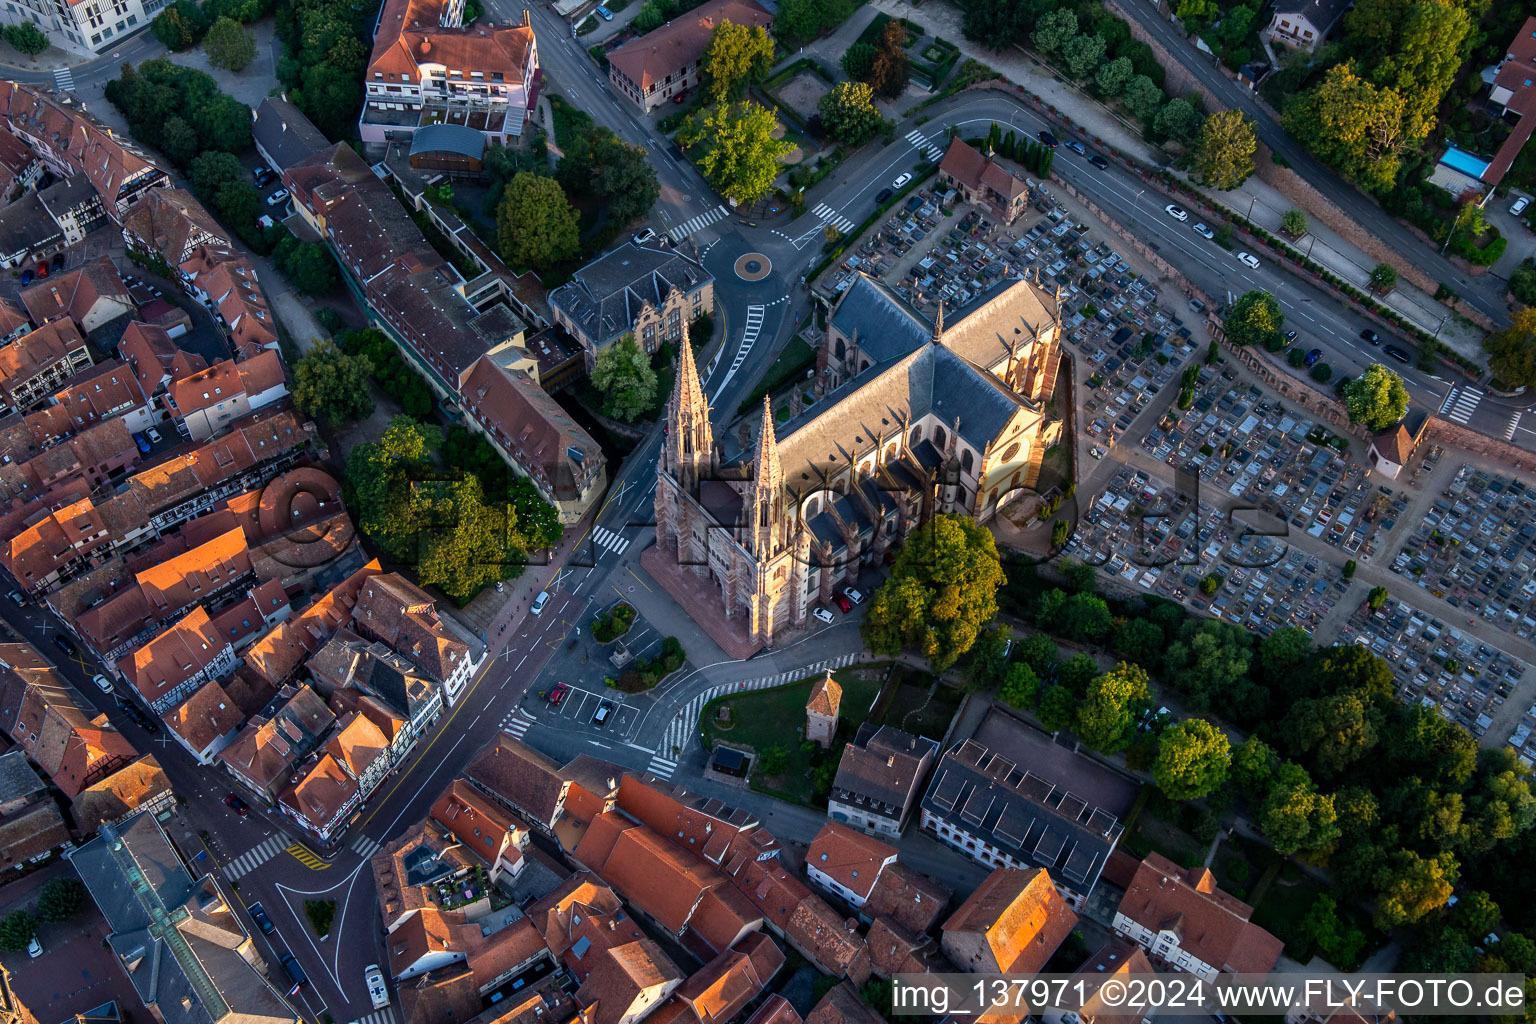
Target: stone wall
x,y
1179,82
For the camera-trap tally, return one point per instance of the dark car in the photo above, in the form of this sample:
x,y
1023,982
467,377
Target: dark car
x,y
1099,162
26,278
263,176
1370,336
58,261
142,444
1397,353
1314,356
1290,336
237,805
883,195
62,643
260,917
295,973
603,713
1077,147
1046,137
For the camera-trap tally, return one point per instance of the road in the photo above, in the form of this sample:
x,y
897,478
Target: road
x,y
1483,291
139,47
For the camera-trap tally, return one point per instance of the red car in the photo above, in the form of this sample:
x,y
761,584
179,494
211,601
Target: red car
x,y
557,694
42,269
237,805
843,603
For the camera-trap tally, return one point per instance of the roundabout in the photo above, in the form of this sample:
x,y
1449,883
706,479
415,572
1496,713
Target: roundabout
x,y
753,267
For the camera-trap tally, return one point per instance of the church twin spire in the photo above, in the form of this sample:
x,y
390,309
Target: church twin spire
x,y
690,449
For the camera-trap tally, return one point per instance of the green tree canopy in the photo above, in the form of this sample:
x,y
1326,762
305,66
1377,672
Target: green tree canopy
x,y
858,60
624,376
1353,124
380,476
1411,887
1178,120
848,113
1340,942
1140,640
1253,766
229,45
1057,706
26,37
737,56
988,662
942,591
1383,277
61,900
16,930
213,170
1106,719
599,162
1331,733
1083,54
1512,351
736,148
1296,817
1112,76
1053,30
1255,319
1020,687
308,265
1143,98
1224,152
802,20
1193,757
536,226
180,25
1294,222
1037,651
332,385
1377,398
890,71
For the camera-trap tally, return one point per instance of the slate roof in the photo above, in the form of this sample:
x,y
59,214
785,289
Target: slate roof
x,y
605,297
284,133
883,768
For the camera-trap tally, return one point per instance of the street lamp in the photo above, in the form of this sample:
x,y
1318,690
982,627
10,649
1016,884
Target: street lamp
x,y
1249,218
1443,319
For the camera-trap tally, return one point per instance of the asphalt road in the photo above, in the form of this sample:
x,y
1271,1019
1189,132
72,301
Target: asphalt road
x,y
139,47
1484,291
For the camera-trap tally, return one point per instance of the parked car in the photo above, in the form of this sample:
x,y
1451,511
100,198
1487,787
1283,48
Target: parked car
x,y
902,179
1370,336
539,602
1398,354
822,614
604,13
679,99
42,269
1099,162
1314,356
102,683
557,694
1176,212
378,991
237,805
842,603
1518,206
153,435
601,715
141,443
1248,260
853,595
58,261
278,198
139,716
260,917
26,278
62,643
265,222
1078,148
34,948
883,195
262,176
1197,305
1203,231
295,972
642,237
18,597
1046,137
1290,336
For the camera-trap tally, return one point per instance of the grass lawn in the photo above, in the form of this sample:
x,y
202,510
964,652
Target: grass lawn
x,y
761,719
1281,910
791,364
909,707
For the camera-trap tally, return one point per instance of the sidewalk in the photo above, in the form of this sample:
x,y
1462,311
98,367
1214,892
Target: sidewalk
x,y
1343,259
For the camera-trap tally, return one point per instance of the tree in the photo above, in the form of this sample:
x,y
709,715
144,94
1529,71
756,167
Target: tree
x,y
1076,673
858,61
1084,617
178,140
1338,941
1178,120
1058,705
1143,98
1294,221
213,170
988,661
1351,123
651,17
1282,651
1209,661
1053,30
773,761
229,45
26,37
942,590
536,226
308,265
601,163
332,385
1253,766
737,56
1139,640
1196,14
848,113
1296,816
1193,757
1331,732
61,900
1224,150
1255,318
1512,351
737,151
1383,278
1083,54
1112,76
16,930
1106,719
889,72
380,476
1377,398
801,20
1037,651
180,25
1020,687
1410,887
624,376
463,543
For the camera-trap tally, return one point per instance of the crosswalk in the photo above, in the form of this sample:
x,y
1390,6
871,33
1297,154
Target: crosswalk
x,y
929,150
698,223
516,724
63,80
683,728
1514,425
254,858
610,540
1460,404
749,334
662,766
384,1016
827,215
363,846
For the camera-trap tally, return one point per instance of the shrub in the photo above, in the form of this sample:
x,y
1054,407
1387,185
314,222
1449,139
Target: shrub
x,y
1321,373
320,914
614,624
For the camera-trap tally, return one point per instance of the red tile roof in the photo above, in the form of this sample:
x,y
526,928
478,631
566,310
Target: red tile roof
x,y
181,652
681,42
974,169
852,859
1213,926
775,1010
205,716
1020,918
722,988
842,1005
912,899
321,794
411,33
622,977
826,697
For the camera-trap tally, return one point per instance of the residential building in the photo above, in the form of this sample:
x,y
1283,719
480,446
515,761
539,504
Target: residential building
x,y
27,231
984,182
907,897
400,615
226,283
170,224
206,722
321,798
13,322
985,806
265,752
429,69
140,787
155,358
102,392
168,669
20,169
1011,924
55,724
667,61
176,936
361,749
86,27
880,779
650,291
31,827
1116,960
75,206
204,403
775,525
847,862
722,988
842,1005
1512,85
283,135
495,836
347,662
276,658
35,365
1185,921
821,709
1304,24
521,779
628,983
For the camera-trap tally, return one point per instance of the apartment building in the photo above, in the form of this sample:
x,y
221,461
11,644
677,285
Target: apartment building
x,y
666,62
